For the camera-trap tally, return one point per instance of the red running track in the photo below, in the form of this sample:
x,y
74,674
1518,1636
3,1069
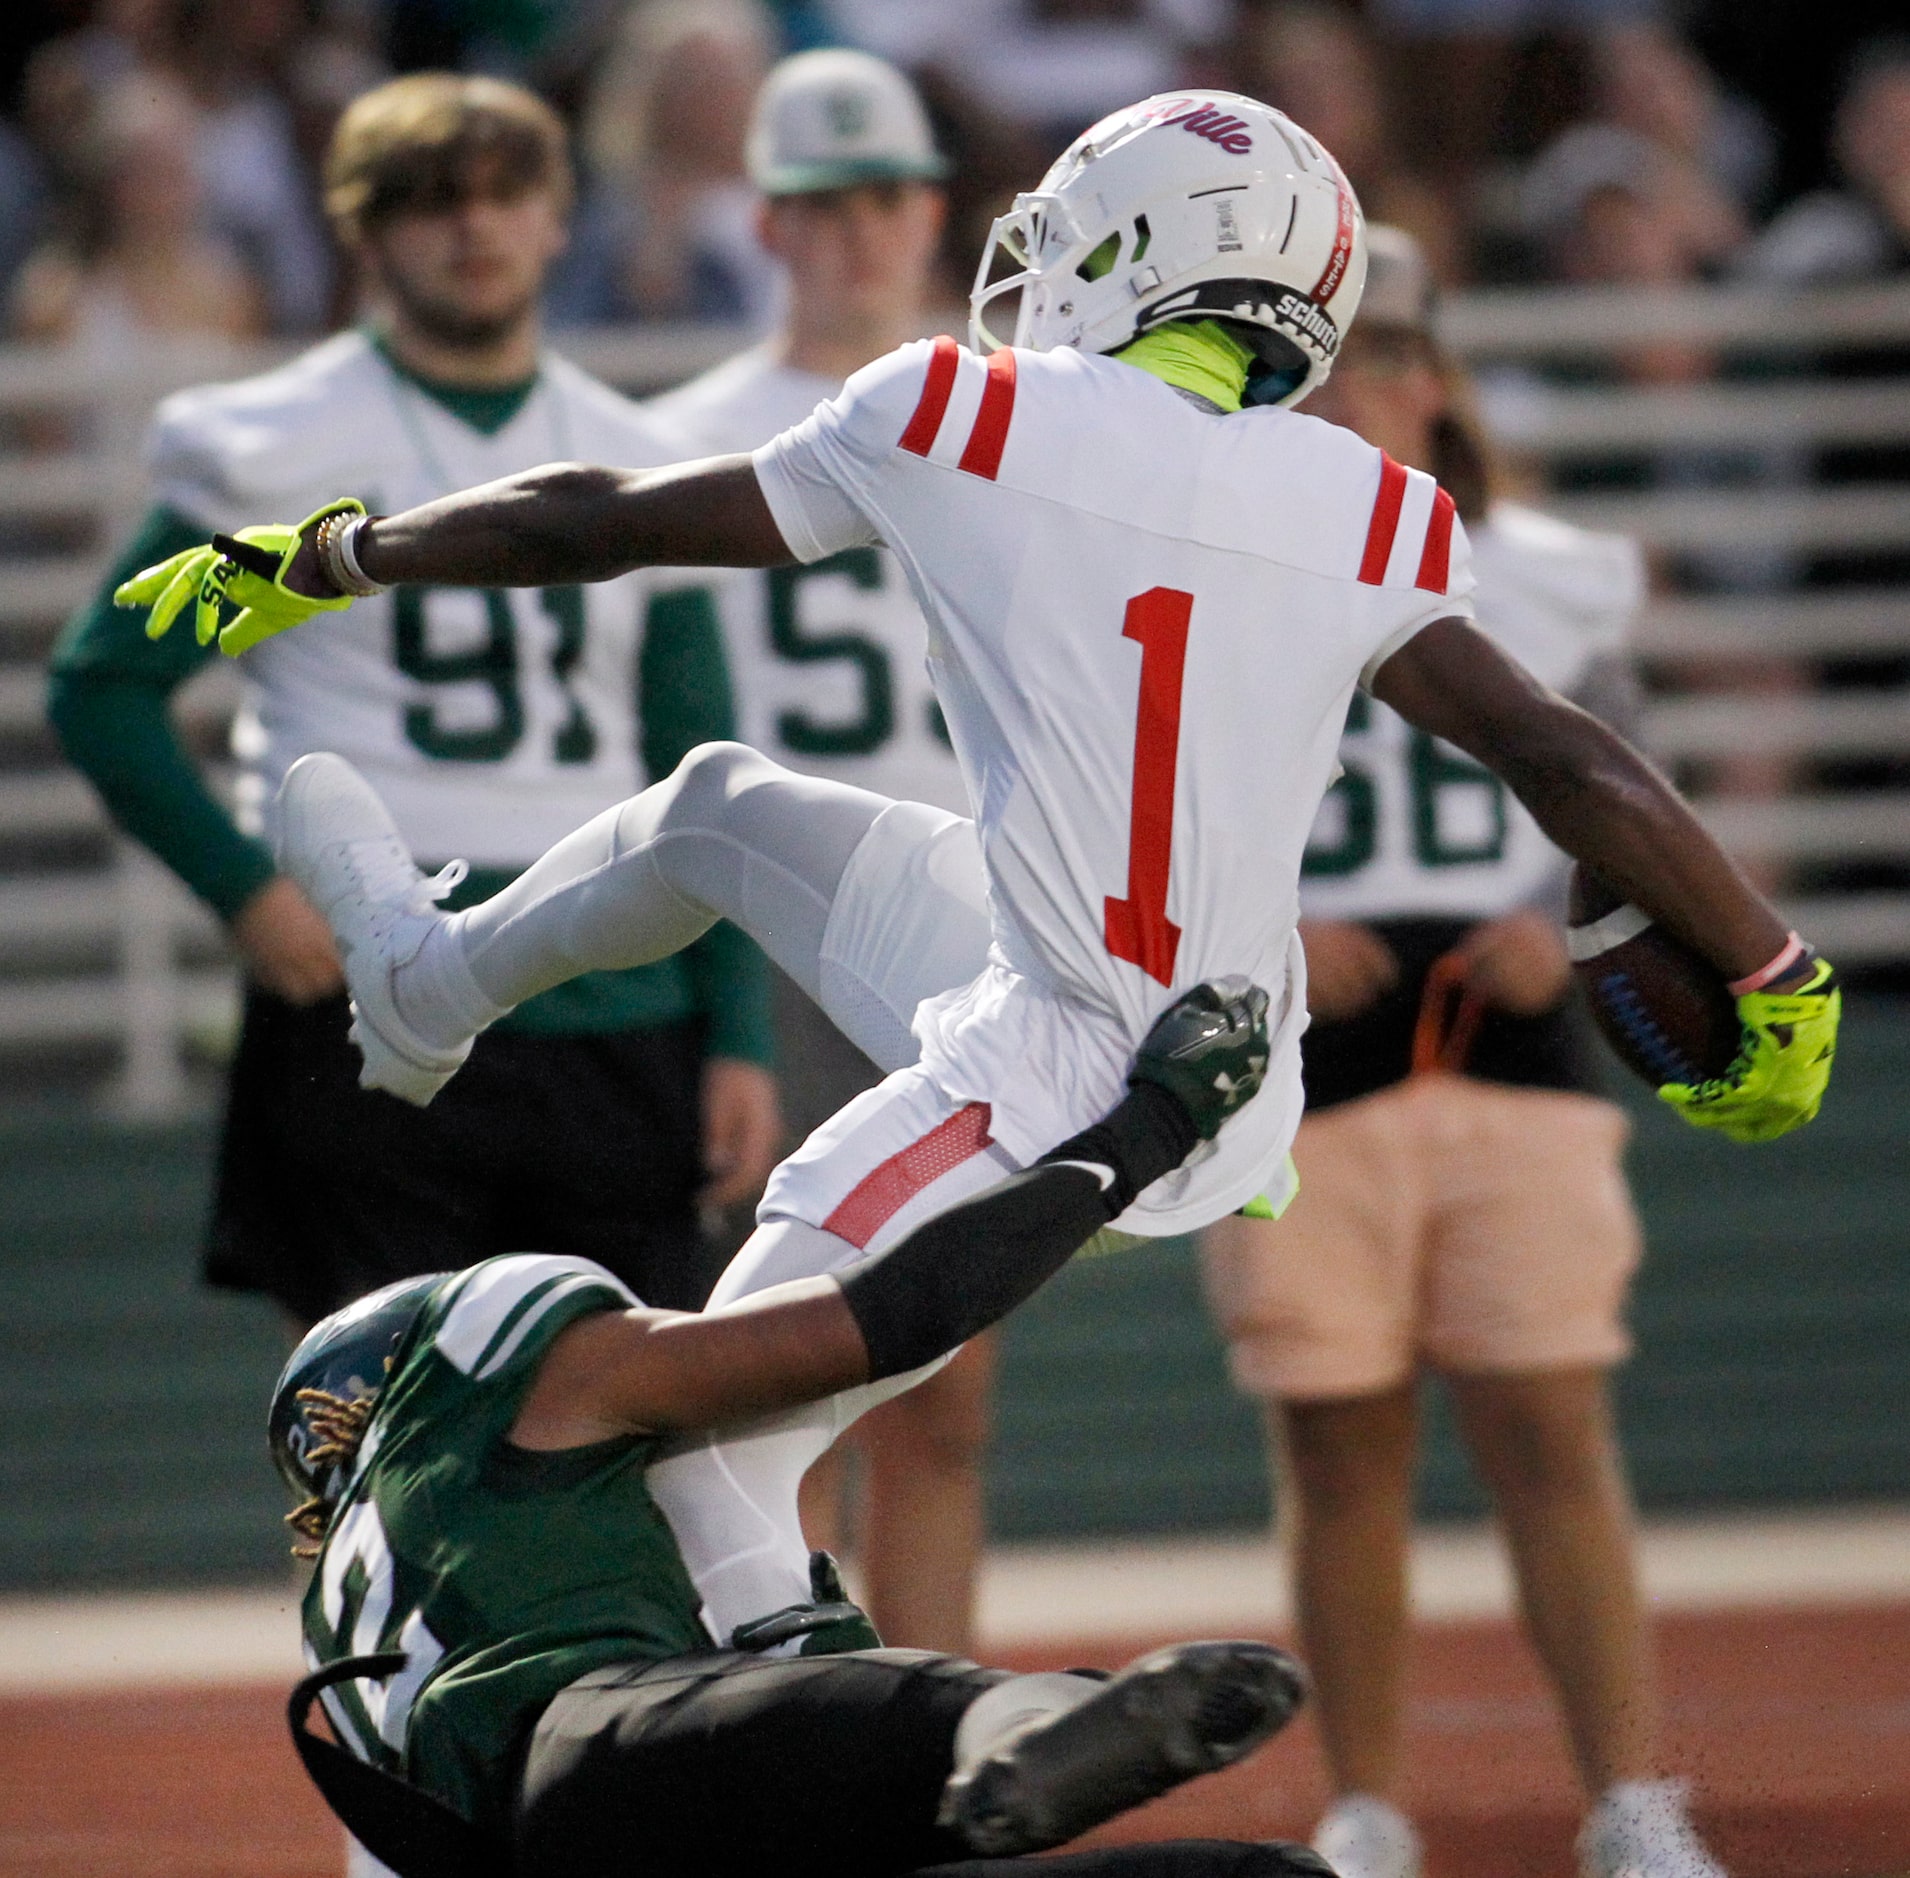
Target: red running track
x,y
1794,1724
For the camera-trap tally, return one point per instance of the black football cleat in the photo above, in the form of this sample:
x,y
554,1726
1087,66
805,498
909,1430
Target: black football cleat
x,y
1190,1709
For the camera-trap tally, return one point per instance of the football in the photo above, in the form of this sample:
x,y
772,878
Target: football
x,y
1666,1011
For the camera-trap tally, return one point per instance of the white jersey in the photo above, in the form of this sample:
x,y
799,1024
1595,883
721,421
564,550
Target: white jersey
x,y
491,721
828,658
1415,829
1145,623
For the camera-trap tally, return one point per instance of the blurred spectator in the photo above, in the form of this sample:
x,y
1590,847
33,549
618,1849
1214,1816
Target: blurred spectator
x,y
1611,207
549,45
22,204
256,191
1315,62
1650,81
1058,65
141,259
913,34
66,77
1863,229
1616,209
1657,185
258,194
1462,1206
1050,66
667,228
339,58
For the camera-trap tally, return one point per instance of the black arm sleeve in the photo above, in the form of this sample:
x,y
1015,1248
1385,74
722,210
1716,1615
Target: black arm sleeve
x,y
965,1269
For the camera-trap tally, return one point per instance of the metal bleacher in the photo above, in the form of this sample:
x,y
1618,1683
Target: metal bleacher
x,y
111,976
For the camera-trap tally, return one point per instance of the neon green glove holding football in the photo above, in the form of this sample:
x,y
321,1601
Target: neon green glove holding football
x,y
209,578
1782,1069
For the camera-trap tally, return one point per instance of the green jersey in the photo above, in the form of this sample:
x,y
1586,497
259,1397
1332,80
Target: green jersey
x,y
502,1574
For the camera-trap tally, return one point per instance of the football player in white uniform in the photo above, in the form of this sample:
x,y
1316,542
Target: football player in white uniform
x,y
1149,609
828,661
1463,1204
493,721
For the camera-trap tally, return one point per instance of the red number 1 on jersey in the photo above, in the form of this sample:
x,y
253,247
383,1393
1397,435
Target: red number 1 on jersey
x,y
1138,928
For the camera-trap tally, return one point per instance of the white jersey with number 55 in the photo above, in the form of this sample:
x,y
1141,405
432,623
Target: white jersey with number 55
x,y
826,658
1146,620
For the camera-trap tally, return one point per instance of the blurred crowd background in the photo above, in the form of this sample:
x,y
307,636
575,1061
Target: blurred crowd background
x,y
159,182
157,157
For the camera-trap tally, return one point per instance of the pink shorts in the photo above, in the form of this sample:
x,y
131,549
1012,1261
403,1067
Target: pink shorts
x,y
1442,1222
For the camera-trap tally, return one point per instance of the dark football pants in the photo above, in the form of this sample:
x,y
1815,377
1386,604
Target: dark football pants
x,y
585,1145
732,1766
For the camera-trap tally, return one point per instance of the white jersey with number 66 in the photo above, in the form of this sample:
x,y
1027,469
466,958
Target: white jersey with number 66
x,y
1146,620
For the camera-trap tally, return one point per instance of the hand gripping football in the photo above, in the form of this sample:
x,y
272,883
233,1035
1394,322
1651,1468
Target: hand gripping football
x,y
1665,1011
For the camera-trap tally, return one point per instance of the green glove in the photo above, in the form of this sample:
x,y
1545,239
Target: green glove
x,y
210,577
1782,1069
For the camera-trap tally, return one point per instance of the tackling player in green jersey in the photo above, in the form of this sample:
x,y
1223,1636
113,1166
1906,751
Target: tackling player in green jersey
x,y
510,1648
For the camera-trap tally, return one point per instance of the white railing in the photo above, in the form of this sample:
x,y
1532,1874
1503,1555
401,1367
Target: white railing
x,y
107,950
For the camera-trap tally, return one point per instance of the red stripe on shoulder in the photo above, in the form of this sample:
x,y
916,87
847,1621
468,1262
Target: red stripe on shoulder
x,y
885,1190
985,441
1434,562
932,407
1385,523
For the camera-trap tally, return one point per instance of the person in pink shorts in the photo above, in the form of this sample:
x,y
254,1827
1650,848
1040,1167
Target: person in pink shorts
x,y
1462,1205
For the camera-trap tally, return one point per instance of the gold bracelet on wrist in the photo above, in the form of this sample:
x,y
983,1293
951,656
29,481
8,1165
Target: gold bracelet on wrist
x,y
336,554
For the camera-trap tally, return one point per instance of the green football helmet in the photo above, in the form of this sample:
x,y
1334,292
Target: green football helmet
x,y
343,1357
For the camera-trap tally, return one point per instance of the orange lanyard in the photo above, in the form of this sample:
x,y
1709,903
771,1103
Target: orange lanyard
x,y
1449,1014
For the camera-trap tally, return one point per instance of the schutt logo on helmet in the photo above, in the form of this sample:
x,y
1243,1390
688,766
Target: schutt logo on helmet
x,y
1303,316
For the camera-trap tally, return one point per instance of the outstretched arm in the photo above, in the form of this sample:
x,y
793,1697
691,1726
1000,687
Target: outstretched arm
x,y
554,526
798,1342
951,1277
1592,793
571,522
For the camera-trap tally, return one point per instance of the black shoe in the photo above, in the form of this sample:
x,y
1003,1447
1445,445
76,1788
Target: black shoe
x,y
1190,1709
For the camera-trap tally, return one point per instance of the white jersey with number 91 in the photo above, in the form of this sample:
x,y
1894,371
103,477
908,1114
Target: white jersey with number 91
x,y
492,721
1146,620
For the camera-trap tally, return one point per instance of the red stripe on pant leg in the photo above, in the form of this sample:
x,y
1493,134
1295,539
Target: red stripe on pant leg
x,y
880,1195
943,358
1438,553
1385,523
985,441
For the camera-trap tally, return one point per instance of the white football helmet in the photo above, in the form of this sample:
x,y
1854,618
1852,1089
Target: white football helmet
x,y
1188,205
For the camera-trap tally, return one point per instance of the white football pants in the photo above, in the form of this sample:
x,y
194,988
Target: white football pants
x,y
871,906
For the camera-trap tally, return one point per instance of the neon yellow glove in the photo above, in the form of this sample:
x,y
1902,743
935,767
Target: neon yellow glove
x,y
1782,1069
210,577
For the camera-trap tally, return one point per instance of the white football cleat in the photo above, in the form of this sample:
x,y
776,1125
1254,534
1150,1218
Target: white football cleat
x,y
1362,1836
337,841
1643,1829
